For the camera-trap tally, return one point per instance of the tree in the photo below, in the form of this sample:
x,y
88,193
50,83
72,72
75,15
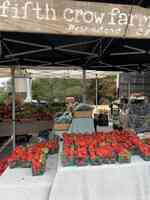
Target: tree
x,y
49,89
42,89
106,90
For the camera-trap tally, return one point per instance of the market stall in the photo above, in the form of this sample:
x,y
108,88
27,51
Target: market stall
x,y
42,51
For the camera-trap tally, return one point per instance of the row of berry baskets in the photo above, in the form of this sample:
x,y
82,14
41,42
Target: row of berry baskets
x,y
102,148
33,156
81,150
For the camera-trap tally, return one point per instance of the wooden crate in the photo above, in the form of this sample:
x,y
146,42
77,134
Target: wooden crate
x,y
61,127
82,114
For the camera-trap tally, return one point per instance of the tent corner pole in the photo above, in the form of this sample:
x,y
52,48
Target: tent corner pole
x,y
13,106
96,90
84,86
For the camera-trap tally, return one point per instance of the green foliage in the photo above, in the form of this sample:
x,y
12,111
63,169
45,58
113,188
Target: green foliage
x,y
106,89
41,89
49,89
3,96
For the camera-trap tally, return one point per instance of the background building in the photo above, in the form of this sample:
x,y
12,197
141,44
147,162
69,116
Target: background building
x,y
133,82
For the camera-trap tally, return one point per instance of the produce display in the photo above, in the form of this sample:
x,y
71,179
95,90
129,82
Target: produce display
x,y
144,149
63,119
62,123
31,156
24,113
80,150
103,148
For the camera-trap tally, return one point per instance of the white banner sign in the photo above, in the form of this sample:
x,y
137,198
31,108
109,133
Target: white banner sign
x,y
74,18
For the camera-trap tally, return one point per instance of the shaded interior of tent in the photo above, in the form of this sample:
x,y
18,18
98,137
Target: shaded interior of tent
x,y
41,51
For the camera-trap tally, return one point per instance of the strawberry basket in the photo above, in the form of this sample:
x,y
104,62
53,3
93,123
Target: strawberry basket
x,y
38,169
124,156
67,161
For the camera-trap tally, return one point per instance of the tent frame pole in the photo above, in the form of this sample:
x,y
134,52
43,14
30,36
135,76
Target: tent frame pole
x,y
96,90
84,86
13,107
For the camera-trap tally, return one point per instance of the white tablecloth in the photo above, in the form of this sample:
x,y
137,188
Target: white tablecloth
x,y
19,184
105,182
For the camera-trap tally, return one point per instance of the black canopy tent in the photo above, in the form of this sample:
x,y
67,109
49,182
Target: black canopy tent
x,y
42,49
144,3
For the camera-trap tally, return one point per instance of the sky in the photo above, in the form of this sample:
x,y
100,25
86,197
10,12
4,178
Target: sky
x,y
3,80
61,74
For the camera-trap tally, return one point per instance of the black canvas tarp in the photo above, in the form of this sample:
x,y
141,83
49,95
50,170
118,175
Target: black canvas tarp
x,y
41,51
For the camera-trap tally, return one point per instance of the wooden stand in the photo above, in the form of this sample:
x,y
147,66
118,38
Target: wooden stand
x,y
82,114
61,127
